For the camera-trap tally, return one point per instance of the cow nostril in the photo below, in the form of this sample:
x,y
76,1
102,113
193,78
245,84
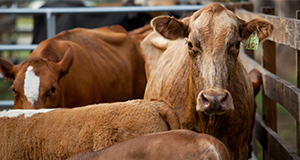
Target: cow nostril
x,y
204,100
224,99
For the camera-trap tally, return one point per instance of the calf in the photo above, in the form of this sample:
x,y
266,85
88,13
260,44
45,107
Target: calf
x,y
200,74
60,133
176,144
78,67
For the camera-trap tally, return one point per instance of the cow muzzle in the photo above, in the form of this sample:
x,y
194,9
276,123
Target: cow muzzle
x,y
214,102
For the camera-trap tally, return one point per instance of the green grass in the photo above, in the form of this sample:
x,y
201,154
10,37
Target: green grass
x,y
21,55
5,93
24,20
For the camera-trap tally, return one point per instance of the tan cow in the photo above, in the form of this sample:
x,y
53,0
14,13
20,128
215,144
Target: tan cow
x,y
170,145
78,67
200,75
58,134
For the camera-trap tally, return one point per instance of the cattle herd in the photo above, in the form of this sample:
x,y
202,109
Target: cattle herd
x,y
174,89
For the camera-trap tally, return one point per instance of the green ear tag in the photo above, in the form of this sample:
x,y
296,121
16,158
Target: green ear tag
x,y
252,41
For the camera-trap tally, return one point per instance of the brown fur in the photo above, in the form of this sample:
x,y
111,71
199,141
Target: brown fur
x,y
11,135
206,60
140,33
60,133
86,66
176,144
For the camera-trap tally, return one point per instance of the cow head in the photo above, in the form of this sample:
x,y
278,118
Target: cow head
x,y
213,36
36,81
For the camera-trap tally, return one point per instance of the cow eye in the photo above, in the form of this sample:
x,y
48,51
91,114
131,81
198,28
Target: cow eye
x,y
53,89
15,92
238,45
190,45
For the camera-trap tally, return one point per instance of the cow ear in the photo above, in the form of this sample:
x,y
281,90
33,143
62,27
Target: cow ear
x,y
169,27
66,61
7,69
263,27
256,78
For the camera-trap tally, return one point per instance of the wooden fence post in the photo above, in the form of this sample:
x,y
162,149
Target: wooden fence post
x,y
298,85
269,63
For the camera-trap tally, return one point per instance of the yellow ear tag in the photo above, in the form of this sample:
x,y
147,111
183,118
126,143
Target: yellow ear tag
x,y
252,41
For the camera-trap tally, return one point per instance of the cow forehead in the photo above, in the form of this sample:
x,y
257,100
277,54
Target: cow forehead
x,y
31,85
216,22
214,31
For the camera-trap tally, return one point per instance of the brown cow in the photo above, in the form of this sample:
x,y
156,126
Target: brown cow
x,y
60,133
78,67
201,76
176,144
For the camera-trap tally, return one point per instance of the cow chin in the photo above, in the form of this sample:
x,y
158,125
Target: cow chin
x,y
214,102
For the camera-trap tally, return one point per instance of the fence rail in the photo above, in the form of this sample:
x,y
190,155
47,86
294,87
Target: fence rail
x,y
51,12
13,47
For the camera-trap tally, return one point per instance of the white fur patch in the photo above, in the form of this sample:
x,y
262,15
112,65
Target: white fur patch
x,y
215,150
31,85
26,112
1,75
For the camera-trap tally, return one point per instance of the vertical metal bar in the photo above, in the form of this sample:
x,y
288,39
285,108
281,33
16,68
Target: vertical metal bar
x,y
269,63
51,29
298,85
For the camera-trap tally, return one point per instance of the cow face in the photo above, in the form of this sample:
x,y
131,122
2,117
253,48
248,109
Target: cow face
x,y
213,36
36,81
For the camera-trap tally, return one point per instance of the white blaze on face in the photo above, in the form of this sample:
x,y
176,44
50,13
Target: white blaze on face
x,y
25,112
31,85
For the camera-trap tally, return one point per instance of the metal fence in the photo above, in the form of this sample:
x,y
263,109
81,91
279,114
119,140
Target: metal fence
x,y
51,13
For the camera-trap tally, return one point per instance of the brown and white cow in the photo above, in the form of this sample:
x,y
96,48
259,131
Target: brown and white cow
x,y
200,74
60,133
180,144
78,67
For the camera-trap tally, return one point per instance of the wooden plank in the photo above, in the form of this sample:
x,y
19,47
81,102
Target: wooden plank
x,y
279,90
232,5
286,30
298,85
271,142
250,53
269,63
